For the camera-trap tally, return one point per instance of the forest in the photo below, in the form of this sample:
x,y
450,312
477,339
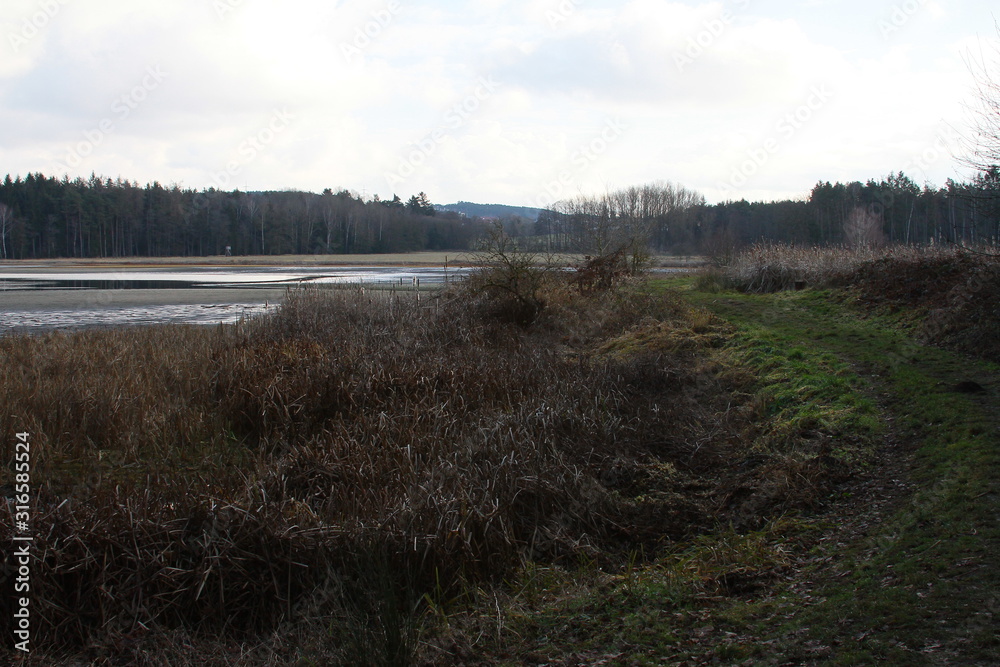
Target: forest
x,y
43,217
46,217
889,210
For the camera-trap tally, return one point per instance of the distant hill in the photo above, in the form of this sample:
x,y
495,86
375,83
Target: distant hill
x,y
491,210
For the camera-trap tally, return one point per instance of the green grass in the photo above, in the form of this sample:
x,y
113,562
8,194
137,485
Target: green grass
x,y
921,586
813,422
899,567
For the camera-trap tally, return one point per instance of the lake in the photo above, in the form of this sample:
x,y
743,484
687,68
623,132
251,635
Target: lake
x,y
41,297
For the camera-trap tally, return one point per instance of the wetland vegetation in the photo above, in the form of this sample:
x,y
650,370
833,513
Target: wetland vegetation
x,y
630,472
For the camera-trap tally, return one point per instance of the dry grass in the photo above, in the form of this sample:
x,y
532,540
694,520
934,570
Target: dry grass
x,y
769,267
302,481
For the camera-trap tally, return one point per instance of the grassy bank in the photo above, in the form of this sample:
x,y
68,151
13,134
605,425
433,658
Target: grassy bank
x,y
643,475
908,576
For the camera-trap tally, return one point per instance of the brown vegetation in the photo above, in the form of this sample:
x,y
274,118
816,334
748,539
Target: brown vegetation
x,y
318,473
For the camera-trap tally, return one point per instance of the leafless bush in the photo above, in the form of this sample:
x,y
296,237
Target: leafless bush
x,y
863,230
768,267
508,281
721,247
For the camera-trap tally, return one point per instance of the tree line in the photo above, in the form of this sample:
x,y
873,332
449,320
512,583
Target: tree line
x,y
45,217
675,220
889,210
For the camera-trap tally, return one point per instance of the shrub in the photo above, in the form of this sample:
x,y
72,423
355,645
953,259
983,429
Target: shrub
x,y
508,282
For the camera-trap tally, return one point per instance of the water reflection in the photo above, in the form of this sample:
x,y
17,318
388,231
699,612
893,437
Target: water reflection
x,y
40,299
217,277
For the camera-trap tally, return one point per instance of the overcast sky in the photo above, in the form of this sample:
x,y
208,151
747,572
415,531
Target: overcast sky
x,y
495,101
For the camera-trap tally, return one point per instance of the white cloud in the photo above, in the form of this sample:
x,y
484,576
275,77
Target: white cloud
x,y
699,84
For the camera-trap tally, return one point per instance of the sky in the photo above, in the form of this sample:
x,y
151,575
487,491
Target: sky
x,y
522,102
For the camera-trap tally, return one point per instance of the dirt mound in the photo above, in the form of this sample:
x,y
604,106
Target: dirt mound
x,y
958,295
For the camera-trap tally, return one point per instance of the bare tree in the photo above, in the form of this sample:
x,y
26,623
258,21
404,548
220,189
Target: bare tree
x,y
863,229
6,222
329,216
984,145
624,222
253,205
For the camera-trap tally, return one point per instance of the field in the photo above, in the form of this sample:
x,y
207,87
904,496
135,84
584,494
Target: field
x,y
668,471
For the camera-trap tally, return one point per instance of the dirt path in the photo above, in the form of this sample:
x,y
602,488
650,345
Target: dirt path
x,y
909,570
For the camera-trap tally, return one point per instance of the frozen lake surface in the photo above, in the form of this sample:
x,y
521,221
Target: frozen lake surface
x,y
41,298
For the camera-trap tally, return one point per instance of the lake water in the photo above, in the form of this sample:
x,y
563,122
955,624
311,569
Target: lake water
x,y
36,298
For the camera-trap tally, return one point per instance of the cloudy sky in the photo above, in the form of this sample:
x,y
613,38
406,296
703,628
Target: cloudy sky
x,y
506,101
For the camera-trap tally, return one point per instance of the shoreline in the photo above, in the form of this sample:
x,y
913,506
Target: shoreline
x,y
416,259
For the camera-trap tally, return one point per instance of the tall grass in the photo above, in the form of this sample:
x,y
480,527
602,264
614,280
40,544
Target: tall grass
x,y
770,267
213,478
327,467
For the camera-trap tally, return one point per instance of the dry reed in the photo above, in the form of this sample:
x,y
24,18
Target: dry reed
x,y
349,454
